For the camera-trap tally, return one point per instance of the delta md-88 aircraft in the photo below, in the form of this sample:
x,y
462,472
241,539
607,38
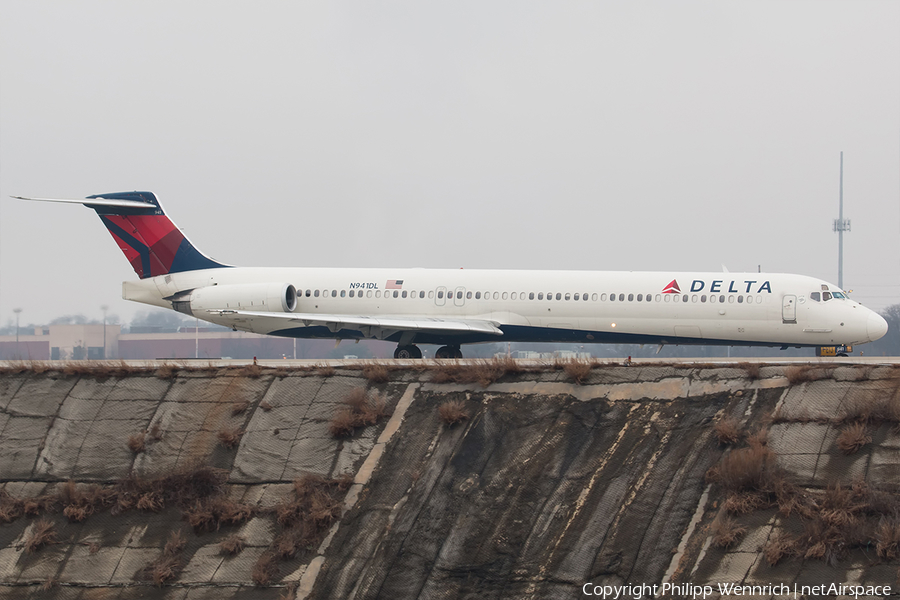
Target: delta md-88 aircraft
x,y
455,307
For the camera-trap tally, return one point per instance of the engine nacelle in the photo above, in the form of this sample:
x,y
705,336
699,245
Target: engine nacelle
x,y
255,297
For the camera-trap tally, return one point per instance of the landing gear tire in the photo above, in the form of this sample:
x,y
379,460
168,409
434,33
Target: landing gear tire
x,y
448,352
842,354
407,352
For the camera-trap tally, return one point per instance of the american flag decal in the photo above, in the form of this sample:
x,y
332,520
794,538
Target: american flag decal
x,y
394,284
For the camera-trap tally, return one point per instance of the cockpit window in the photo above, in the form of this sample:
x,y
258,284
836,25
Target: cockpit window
x,y
826,296
839,295
814,296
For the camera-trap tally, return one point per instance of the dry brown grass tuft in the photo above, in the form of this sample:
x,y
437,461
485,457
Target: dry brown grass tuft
x,y
265,406
252,371
778,547
230,437
852,438
325,370
136,442
453,412
232,545
49,583
239,408
358,410
211,513
726,531
482,372
747,469
166,371
887,538
81,502
751,368
43,533
265,569
728,431
11,508
799,374
578,370
742,503
376,372
169,563
155,433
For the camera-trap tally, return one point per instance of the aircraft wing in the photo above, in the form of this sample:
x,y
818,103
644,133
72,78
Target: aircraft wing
x,y
376,327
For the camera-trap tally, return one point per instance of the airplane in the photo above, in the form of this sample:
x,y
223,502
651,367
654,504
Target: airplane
x,y
450,307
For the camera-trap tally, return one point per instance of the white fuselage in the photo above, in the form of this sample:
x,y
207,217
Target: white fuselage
x,y
562,306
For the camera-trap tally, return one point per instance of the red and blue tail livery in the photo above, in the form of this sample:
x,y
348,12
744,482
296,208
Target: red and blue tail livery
x,y
151,242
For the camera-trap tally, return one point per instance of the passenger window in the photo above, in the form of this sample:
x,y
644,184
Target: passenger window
x,y
396,293
612,297
496,295
316,293
308,293
558,296
712,299
603,297
568,296
440,294
677,299
594,297
368,294
685,298
621,297
378,294
459,295
640,297
740,299
730,299
351,293
826,296
343,293
576,297
658,297
478,295
549,295
540,295
421,294
694,298
431,294
584,296
334,293
703,298
505,295
531,295
403,294
668,297
722,298
514,295
631,297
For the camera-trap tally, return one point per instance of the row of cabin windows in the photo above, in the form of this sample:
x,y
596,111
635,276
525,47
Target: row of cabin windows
x,y
567,296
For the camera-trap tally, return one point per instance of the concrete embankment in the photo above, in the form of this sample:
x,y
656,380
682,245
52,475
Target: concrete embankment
x,y
230,483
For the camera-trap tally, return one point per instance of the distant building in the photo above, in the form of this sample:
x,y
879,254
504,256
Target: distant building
x,y
80,342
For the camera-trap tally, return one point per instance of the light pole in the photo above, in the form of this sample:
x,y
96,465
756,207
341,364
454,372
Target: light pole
x,y
104,308
17,311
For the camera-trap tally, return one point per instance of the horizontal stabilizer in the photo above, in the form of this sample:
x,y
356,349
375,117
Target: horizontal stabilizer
x,y
94,202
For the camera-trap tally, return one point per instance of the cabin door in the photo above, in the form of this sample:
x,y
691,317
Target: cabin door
x,y
789,309
439,296
460,298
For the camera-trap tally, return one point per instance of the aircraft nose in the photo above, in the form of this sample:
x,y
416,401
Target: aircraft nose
x,y
876,326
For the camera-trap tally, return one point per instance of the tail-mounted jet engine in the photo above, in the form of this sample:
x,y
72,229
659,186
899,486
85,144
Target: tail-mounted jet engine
x,y
257,297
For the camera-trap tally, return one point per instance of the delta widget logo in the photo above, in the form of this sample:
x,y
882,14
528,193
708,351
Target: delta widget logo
x,y
672,288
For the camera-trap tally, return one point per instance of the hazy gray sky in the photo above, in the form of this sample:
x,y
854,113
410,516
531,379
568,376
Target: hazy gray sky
x,y
576,135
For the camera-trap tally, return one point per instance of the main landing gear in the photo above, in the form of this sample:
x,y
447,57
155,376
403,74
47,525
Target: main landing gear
x,y
407,352
410,351
448,352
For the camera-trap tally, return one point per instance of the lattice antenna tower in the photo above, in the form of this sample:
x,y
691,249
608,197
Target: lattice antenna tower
x,y
841,225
